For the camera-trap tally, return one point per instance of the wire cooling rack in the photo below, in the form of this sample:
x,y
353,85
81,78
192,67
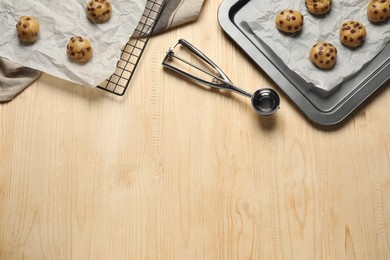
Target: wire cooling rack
x,y
118,82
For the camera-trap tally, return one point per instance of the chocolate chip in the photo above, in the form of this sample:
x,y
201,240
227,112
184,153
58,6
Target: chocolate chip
x,y
71,48
328,54
360,27
88,48
99,7
316,56
321,61
327,62
384,10
325,44
25,25
353,31
376,12
332,58
289,27
350,40
28,18
331,50
290,11
72,53
293,17
296,27
281,22
345,37
320,53
282,12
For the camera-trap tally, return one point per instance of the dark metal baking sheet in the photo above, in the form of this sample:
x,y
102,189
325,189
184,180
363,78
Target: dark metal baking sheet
x,y
321,107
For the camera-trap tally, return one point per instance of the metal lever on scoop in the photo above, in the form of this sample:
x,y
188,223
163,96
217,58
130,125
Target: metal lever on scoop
x,y
264,101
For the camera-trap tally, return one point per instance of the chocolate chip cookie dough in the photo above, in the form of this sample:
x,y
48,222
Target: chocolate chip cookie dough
x,y
28,29
289,21
79,49
99,10
323,55
378,10
352,33
318,7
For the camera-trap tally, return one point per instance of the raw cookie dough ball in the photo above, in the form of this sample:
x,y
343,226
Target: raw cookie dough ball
x,y
352,33
378,10
79,49
99,10
318,7
289,21
323,55
28,29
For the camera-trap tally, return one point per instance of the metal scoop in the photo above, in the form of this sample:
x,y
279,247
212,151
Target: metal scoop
x,y
264,101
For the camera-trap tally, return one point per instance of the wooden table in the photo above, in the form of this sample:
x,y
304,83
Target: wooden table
x,y
175,171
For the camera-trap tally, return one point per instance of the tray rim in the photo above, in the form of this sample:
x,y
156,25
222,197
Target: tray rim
x,y
334,116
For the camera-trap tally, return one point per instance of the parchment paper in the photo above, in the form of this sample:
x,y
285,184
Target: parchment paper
x,y
294,50
60,20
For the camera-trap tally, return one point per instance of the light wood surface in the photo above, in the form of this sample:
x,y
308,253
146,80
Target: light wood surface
x,y
175,171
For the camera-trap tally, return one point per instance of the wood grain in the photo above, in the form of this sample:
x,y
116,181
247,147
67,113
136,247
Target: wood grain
x,y
172,170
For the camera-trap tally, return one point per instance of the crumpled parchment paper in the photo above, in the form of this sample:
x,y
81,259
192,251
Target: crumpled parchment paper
x,y
59,21
294,50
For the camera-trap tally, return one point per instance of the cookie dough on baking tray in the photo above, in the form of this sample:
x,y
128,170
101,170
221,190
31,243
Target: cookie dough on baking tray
x,y
318,7
352,33
289,21
378,10
323,55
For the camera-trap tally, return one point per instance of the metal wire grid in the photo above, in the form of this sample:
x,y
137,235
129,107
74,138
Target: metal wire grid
x,y
131,54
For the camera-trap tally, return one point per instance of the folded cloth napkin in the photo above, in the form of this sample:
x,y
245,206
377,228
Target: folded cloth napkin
x,y
15,78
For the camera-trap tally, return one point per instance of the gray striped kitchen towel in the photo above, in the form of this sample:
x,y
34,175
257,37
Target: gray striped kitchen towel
x,y
177,12
15,78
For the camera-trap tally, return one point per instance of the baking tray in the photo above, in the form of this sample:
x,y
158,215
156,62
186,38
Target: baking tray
x,y
320,106
132,52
